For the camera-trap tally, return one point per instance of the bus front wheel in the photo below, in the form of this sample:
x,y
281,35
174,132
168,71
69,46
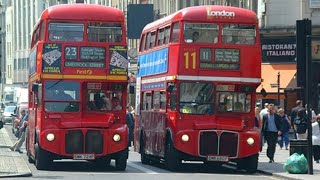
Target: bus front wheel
x,y
121,161
250,164
172,160
42,160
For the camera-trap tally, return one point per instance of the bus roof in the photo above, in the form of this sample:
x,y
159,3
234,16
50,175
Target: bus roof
x,y
83,12
211,13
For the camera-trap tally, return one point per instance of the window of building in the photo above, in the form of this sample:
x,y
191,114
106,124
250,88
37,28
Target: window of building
x,y
105,32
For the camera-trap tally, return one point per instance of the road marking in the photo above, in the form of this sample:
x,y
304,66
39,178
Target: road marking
x,y
148,171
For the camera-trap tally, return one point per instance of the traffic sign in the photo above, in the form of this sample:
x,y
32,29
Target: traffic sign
x,y
274,85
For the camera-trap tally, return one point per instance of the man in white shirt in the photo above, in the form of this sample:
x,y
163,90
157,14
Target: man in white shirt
x,y
265,110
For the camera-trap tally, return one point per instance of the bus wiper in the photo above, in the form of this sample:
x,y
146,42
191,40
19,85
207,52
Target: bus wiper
x,y
55,84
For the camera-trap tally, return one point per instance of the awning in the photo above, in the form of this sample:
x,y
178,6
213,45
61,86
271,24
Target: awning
x,y
269,75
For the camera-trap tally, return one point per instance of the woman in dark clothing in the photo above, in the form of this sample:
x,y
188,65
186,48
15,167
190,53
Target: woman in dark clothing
x,y
286,124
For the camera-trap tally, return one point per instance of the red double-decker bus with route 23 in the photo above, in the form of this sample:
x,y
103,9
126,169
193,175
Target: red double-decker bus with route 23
x,y
198,70
78,86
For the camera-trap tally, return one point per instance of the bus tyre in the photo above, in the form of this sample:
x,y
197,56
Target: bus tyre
x,y
30,159
250,164
172,160
144,158
42,160
121,161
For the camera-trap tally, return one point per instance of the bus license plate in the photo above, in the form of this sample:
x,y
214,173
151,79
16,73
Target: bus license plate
x,y
84,156
218,158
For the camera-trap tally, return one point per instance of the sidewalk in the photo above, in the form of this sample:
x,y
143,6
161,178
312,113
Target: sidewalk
x,y
276,168
11,163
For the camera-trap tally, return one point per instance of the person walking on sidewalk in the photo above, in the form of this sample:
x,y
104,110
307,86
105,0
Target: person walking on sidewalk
x,y
295,110
316,138
22,128
271,128
286,124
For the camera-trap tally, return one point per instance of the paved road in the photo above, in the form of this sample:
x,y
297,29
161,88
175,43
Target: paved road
x,y
135,170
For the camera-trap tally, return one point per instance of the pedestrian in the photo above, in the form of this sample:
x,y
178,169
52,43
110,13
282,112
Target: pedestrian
x,y
130,123
271,129
294,111
300,124
316,138
22,129
286,124
257,118
265,110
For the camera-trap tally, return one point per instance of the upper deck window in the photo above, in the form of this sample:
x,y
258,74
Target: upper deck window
x,y
104,32
66,32
238,34
200,33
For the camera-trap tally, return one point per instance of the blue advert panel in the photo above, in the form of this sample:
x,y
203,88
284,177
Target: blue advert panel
x,y
153,63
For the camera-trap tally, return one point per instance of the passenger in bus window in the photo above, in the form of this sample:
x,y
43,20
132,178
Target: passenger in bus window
x,y
116,104
195,36
106,102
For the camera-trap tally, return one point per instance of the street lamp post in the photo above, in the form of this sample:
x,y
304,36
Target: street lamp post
x,y
278,83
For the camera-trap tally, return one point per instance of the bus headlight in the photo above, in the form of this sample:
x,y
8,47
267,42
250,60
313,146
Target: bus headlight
x,y
50,137
250,141
116,137
185,138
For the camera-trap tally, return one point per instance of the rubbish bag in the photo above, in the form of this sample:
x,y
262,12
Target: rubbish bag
x,y
296,164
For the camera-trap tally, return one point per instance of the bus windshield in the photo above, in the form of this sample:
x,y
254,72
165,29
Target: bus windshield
x,y
62,96
66,32
196,98
200,33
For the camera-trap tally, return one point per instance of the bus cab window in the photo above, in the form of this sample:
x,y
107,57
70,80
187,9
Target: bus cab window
x,y
233,102
100,100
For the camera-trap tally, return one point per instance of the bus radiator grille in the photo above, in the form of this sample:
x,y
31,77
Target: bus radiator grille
x,y
94,142
212,144
228,144
208,143
74,142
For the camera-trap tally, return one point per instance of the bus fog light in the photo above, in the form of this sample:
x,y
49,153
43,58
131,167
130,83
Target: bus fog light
x,y
116,137
50,137
185,138
250,141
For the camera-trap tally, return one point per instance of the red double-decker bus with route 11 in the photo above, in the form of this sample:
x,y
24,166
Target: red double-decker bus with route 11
x,y
78,86
198,70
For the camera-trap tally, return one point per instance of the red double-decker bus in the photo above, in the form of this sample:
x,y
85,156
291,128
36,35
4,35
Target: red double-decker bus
x,y
198,70
77,86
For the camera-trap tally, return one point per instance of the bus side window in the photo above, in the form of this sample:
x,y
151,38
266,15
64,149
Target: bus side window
x,y
166,35
156,100
148,40
142,44
163,100
175,33
160,37
148,101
